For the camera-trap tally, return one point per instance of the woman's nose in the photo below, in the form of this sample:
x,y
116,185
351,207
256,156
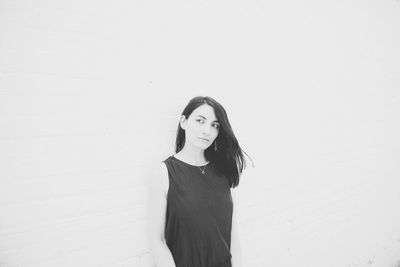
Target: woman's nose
x,y
206,129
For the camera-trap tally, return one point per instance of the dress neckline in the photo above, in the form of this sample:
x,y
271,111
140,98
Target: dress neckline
x,y
173,156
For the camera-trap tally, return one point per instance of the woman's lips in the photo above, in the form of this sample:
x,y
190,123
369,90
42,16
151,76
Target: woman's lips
x,y
206,140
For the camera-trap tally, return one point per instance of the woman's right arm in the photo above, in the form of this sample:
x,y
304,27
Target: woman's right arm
x,y
158,183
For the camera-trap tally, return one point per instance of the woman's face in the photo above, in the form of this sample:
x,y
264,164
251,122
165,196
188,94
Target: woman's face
x,y
202,127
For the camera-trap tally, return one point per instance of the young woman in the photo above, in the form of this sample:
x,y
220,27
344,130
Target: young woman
x,y
192,209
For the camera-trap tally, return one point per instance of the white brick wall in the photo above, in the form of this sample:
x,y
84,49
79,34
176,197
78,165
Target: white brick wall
x,y
90,96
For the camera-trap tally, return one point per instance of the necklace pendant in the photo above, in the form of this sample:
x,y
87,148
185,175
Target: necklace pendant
x,y
203,171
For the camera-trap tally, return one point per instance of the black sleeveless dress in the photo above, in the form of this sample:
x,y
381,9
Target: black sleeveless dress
x,y
199,216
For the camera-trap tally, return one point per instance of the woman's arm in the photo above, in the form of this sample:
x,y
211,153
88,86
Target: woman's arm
x,y
156,213
236,250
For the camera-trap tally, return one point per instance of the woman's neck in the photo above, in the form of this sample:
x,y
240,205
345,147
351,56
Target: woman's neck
x,y
194,157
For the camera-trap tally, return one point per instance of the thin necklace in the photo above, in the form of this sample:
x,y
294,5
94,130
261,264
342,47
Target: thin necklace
x,y
202,170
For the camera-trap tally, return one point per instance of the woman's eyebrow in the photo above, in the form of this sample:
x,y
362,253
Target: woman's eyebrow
x,y
206,118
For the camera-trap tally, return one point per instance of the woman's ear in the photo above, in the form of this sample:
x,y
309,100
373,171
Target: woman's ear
x,y
182,122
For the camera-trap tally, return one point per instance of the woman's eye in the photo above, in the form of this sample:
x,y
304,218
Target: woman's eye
x,y
202,121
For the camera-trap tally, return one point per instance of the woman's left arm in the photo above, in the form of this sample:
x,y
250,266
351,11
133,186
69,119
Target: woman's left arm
x,y
236,250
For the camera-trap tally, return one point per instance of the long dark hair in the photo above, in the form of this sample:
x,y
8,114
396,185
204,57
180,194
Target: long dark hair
x,y
228,160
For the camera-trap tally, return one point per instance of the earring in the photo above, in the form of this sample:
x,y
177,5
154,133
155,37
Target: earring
x,y
215,145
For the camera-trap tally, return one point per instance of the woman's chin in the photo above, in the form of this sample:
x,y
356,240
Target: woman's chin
x,y
203,145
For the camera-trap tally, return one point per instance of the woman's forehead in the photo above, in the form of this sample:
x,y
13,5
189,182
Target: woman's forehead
x,y
205,111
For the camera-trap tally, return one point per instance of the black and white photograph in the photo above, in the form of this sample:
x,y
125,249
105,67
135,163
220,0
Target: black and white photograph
x,y
197,133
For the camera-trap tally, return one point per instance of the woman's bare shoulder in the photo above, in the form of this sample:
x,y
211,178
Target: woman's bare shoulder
x,y
158,178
